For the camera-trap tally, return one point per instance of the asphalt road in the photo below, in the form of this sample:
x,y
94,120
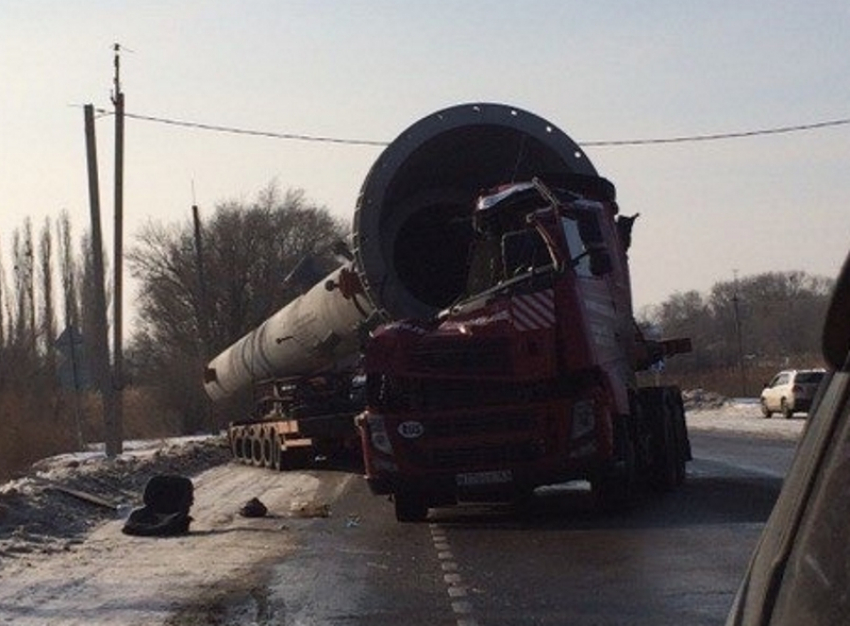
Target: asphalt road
x,y
677,559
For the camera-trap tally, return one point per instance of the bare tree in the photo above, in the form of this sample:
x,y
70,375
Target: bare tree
x,y
25,328
249,248
748,327
48,312
68,272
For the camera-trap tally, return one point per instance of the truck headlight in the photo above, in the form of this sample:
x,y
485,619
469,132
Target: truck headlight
x,y
378,434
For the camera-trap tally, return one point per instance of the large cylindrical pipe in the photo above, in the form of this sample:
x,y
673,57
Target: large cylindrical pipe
x,y
412,224
313,333
411,234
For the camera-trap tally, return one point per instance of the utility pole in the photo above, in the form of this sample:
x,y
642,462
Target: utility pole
x,y
740,338
102,341
203,318
203,313
118,322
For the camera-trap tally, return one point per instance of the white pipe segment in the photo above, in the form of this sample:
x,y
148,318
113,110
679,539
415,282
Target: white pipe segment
x,y
313,333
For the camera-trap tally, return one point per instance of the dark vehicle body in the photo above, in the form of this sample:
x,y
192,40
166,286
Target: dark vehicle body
x,y
800,570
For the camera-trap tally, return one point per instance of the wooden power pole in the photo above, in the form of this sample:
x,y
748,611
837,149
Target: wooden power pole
x,y
101,343
118,322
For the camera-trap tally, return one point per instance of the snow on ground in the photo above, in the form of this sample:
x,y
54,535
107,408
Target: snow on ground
x,y
112,578
64,560
740,415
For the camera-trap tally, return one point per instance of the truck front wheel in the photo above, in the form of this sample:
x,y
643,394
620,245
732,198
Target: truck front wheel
x,y
410,506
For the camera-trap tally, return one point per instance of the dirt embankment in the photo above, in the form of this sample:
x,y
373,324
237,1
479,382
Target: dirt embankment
x,y
39,515
64,559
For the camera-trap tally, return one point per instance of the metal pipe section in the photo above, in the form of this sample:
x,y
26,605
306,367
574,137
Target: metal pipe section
x,y
411,234
315,332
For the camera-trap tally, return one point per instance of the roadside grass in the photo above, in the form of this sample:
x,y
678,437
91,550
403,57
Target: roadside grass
x,y
38,425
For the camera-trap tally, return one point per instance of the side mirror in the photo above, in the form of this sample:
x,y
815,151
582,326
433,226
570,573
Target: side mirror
x,y
600,262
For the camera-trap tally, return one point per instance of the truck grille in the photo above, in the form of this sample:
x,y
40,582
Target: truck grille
x,y
394,393
482,456
495,423
454,357
453,443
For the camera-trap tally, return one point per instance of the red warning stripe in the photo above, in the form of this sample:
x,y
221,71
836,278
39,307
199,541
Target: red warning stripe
x,y
534,311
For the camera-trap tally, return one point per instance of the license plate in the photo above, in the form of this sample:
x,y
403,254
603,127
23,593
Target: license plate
x,y
474,479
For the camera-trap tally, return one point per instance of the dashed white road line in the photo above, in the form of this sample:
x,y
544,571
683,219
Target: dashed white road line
x,y
455,587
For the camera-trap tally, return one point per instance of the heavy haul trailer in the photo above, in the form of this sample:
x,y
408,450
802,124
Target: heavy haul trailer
x,y
301,367
527,374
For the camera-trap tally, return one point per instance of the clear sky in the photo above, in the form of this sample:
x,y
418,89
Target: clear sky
x,y
600,70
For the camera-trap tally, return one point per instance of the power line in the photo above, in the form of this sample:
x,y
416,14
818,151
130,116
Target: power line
x,y
596,143
255,133
718,136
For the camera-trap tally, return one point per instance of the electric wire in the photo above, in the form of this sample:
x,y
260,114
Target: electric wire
x,y
779,130
255,133
718,136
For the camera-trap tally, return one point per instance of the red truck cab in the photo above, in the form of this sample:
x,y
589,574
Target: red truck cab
x,y
529,378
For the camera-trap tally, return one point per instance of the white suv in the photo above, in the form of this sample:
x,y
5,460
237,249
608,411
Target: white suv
x,y
790,391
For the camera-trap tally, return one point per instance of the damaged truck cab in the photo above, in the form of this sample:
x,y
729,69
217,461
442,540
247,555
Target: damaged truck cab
x,y
529,378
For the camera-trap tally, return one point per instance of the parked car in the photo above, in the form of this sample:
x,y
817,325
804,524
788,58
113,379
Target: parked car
x,y
800,570
790,391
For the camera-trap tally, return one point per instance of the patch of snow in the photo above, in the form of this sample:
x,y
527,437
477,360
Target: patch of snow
x,y
65,561
744,416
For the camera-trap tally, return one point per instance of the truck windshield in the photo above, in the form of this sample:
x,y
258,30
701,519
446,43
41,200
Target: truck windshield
x,y
496,259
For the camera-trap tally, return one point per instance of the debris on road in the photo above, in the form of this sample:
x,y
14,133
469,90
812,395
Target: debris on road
x,y
253,508
168,499
310,509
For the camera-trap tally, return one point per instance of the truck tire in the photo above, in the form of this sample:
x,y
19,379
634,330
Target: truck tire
x,y
256,437
410,506
682,441
615,490
268,443
236,445
277,453
668,466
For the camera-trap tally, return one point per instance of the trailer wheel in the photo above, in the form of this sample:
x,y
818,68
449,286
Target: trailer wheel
x,y
257,448
247,445
268,442
236,445
277,453
410,506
